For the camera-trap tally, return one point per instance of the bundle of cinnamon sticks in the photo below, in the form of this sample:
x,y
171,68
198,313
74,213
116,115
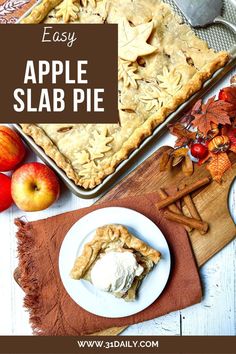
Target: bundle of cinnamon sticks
x,y
173,213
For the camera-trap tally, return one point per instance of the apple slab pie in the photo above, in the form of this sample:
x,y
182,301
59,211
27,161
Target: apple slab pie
x,y
161,64
115,261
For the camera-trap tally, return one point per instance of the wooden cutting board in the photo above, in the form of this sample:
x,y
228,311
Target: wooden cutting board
x,y
211,203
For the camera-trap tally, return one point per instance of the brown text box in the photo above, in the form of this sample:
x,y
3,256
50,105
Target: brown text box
x,y
94,44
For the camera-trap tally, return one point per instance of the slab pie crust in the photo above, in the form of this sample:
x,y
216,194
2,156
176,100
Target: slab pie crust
x,y
161,64
115,238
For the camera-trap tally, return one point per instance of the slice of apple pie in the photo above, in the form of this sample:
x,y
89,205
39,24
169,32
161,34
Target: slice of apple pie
x,y
115,261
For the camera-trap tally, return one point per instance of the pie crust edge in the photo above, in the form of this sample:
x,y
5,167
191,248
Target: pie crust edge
x,y
39,136
105,235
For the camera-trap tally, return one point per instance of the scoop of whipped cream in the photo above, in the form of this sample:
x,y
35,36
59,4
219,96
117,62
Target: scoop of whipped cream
x,y
115,271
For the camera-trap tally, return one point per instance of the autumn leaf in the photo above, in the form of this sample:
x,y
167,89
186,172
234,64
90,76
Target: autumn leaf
x,y
218,165
184,135
196,108
232,136
187,118
229,95
211,112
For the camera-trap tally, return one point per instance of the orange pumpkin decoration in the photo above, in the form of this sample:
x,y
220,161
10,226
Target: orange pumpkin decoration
x,y
219,144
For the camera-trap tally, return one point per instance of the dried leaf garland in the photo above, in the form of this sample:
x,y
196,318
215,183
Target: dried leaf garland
x,y
213,121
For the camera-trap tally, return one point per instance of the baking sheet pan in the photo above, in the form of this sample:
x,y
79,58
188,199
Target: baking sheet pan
x,y
219,38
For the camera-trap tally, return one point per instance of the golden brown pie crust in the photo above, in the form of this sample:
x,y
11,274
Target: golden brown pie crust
x,y
93,170
104,237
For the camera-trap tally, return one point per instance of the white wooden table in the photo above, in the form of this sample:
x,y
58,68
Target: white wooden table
x,y
215,315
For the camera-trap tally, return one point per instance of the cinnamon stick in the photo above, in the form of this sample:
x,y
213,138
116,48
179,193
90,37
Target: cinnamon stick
x,y
172,207
184,220
192,209
180,194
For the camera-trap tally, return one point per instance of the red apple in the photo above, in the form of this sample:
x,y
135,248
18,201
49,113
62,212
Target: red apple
x,y
12,150
34,187
5,192
199,151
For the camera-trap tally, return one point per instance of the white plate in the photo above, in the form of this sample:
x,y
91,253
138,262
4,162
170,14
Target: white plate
x,y
96,301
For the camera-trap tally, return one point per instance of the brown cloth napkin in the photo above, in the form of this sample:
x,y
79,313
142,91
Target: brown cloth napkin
x,y
12,10
53,312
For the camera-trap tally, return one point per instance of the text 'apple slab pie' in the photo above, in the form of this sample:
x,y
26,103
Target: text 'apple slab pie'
x,y
161,64
115,261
